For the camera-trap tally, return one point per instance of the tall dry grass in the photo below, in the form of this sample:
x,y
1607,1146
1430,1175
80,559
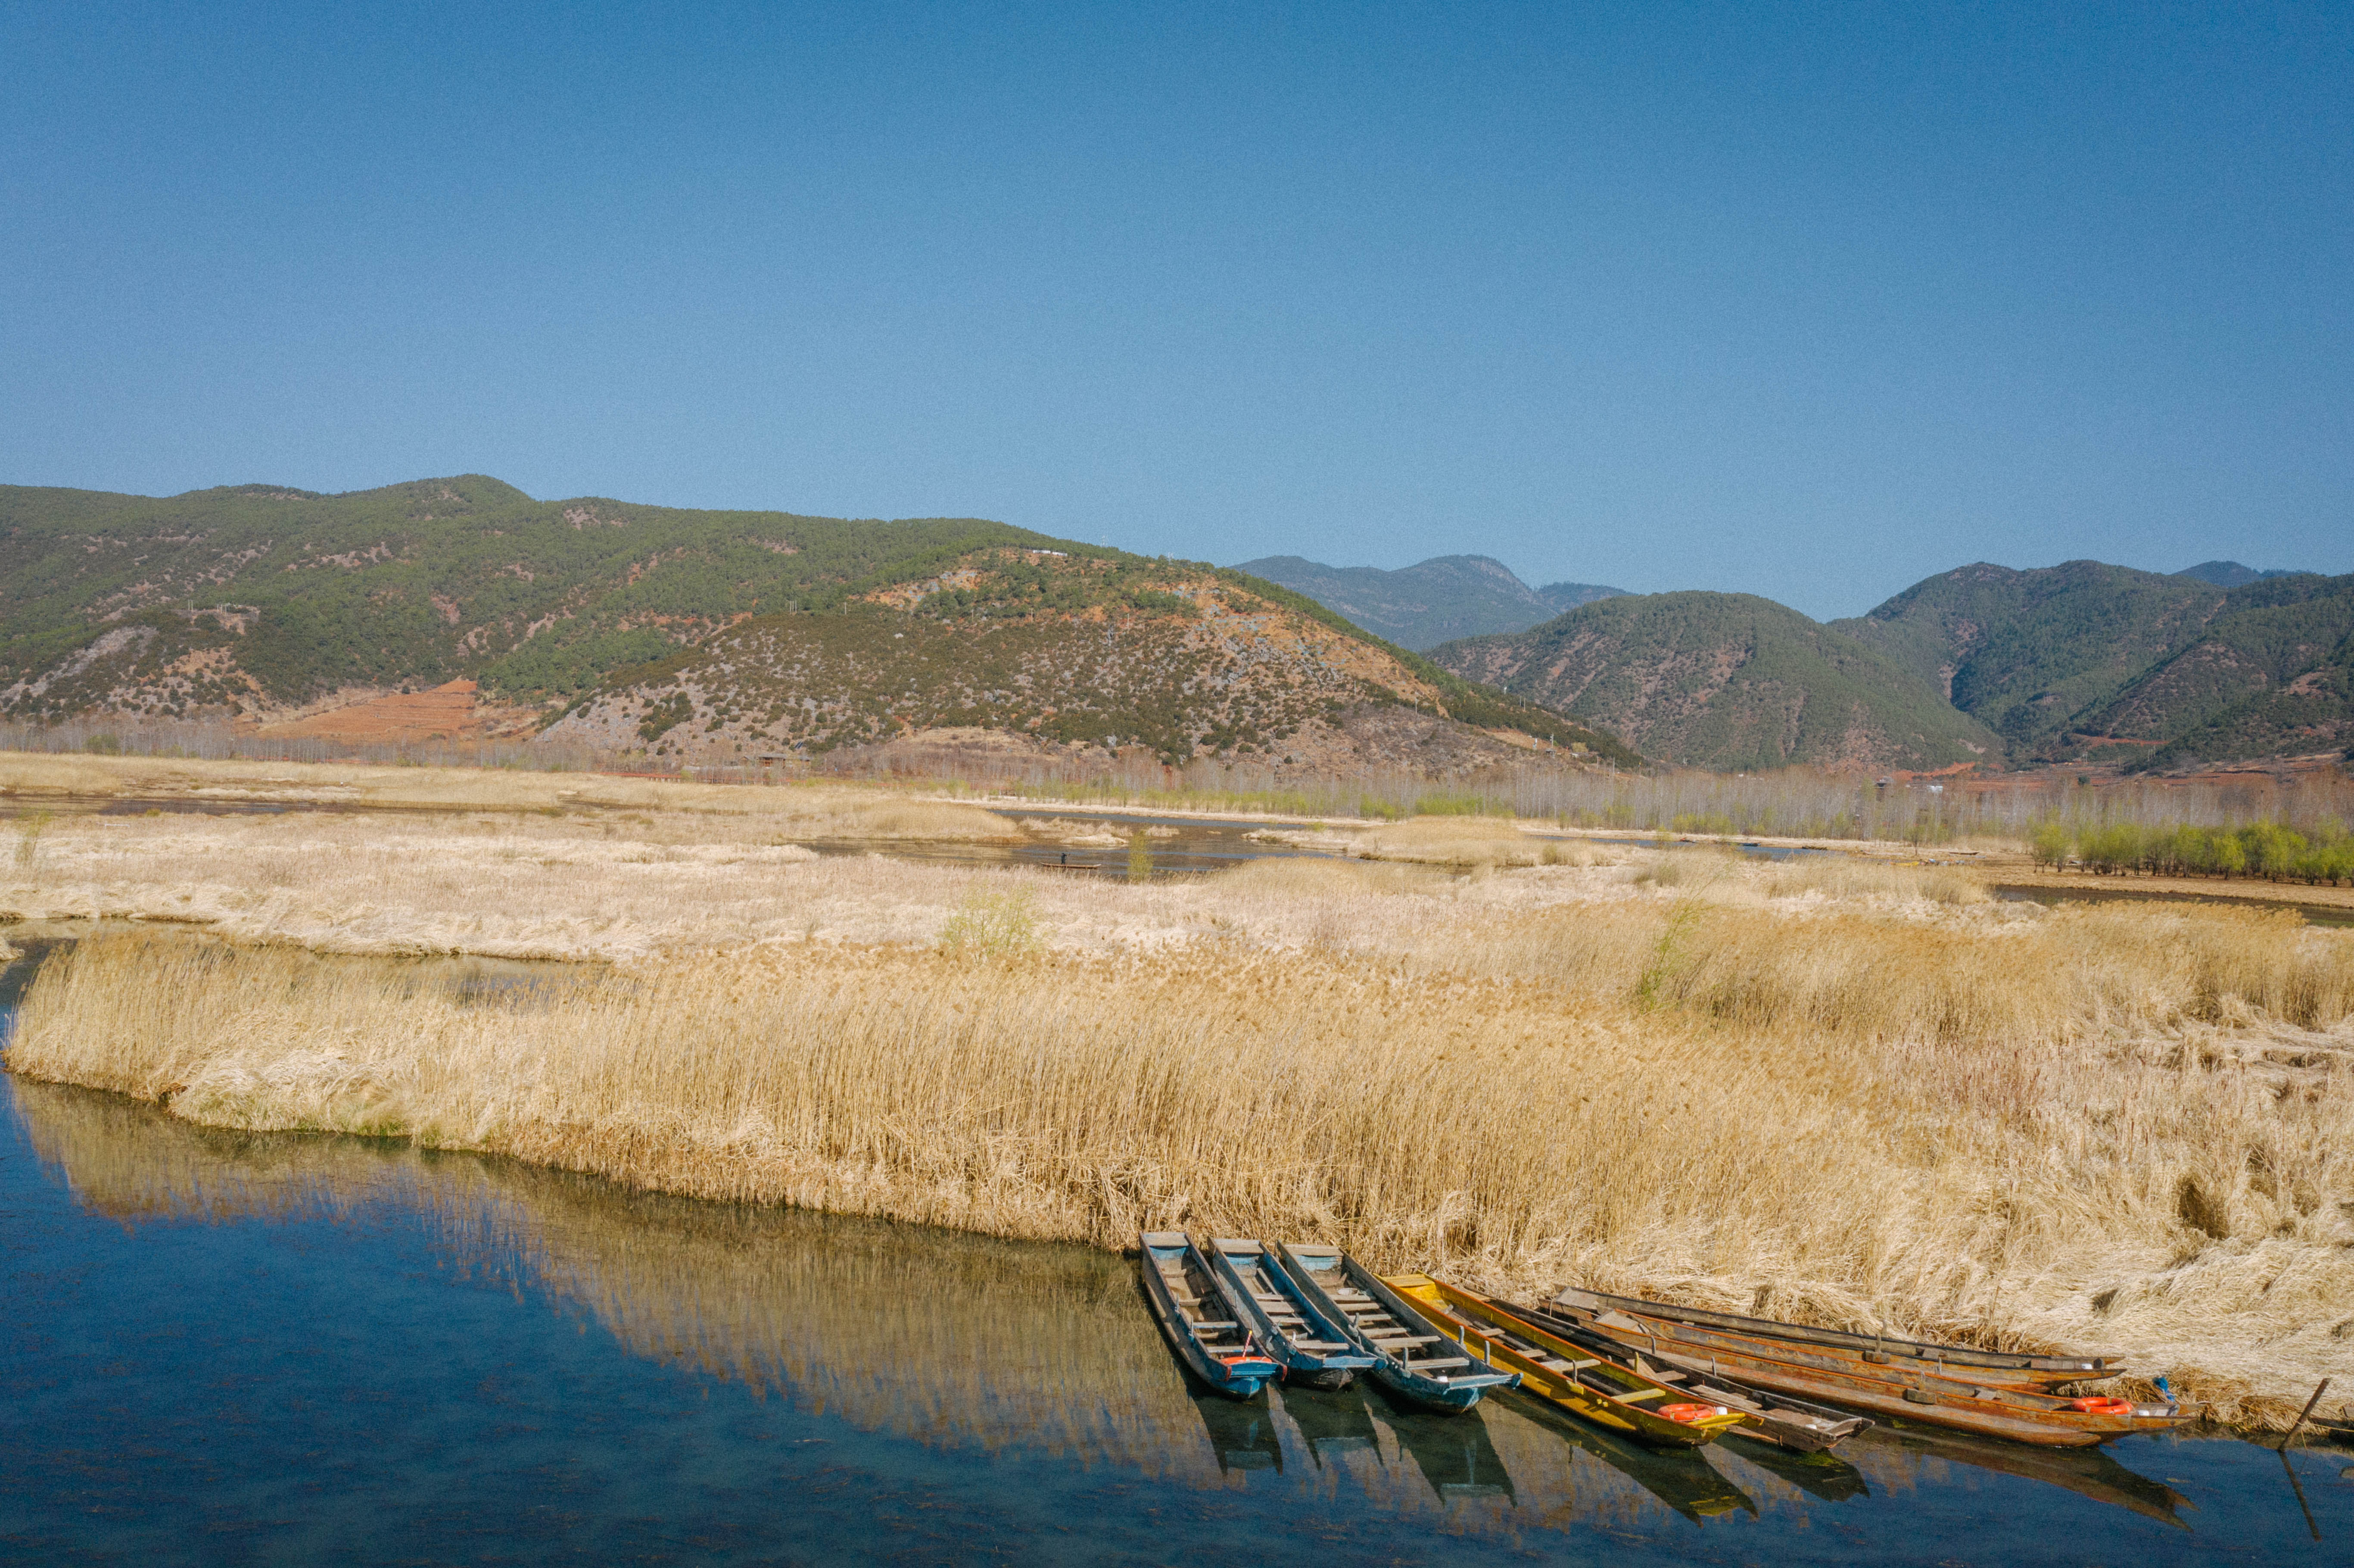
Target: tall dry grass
x,y
2119,1127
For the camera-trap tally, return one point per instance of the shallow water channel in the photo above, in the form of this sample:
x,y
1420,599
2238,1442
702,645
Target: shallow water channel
x,y
262,1348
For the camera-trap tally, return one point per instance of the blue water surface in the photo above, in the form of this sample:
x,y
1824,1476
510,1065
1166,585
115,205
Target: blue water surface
x,y
279,1349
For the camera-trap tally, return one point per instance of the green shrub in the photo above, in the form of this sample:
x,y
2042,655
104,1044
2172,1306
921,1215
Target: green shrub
x,y
994,925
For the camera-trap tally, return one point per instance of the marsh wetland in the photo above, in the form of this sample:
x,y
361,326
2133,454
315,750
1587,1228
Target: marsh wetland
x,y
654,1065
243,1348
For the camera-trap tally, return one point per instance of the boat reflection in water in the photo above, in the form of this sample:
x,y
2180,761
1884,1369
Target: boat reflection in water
x,y
2088,1472
957,1341
1454,1453
1682,1478
1824,1476
1333,1423
1242,1433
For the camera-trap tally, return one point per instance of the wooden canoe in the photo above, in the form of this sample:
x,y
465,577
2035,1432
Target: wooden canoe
x,y
1602,1389
1831,1375
1412,1359
1206,1328
1293,1328
1994,1369
1768,1417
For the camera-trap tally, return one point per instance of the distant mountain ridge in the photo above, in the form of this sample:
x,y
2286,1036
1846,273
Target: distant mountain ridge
x,y
702,635
2079,663
2090,662
1727,680
2271,673
1433,601
267,605
2026,652
2232,574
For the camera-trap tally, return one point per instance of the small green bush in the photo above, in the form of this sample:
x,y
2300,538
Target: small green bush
x,y
994,925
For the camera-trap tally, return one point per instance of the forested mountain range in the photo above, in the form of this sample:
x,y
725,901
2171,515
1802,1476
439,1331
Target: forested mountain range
x,y
2077,662
2027,652
2232,574
1436,601
698,633
1728,681
2087,661
692,632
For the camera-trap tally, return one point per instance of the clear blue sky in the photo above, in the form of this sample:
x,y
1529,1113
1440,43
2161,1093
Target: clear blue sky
x,y
1809,303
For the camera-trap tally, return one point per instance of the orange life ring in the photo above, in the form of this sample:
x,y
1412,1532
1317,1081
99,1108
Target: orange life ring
x,y
1690,1413
2102,1405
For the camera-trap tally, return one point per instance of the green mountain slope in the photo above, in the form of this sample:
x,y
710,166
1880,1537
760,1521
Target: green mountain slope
x,y
303,594
246,601
2232,574
1068,649
1727,680
1440,599
2267,677
2025,652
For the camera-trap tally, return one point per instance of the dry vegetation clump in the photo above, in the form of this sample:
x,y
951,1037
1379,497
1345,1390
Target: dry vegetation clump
x,y
1451,840
1447,840
2114,1127
1727,876
1845,876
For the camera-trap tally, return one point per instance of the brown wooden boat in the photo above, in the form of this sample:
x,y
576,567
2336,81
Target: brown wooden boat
x,y
1994,1369
1924,1390
1552,1347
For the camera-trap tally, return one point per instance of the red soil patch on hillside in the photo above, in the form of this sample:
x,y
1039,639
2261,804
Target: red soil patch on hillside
x,y
449,709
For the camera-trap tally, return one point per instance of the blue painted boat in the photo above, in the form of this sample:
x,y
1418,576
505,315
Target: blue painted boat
x,y
1412,1358
1294,1329
1206,1327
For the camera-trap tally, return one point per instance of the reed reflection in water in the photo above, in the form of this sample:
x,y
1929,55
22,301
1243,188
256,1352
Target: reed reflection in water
x,y
955,1341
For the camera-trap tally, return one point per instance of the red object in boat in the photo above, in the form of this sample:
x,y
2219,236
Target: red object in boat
x,y
2102,1405
1689,1412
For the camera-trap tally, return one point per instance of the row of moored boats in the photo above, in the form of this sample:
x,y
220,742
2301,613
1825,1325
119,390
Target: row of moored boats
x,y
1242,1314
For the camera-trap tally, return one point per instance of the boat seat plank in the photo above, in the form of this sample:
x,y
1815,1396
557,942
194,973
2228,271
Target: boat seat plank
x,y
1437,1362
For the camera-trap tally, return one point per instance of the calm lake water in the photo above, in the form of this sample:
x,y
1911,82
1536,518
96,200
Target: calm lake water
x,y
234,1349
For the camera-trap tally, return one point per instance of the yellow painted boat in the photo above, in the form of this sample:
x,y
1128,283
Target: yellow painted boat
x,y
1609,1395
